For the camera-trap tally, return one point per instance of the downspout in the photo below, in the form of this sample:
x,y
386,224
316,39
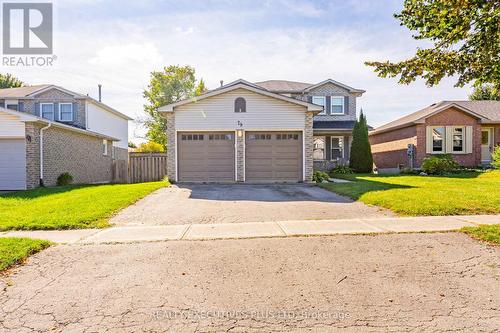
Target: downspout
x,y
41,152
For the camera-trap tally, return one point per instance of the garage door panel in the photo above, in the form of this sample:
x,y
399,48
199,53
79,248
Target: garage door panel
x,y
273,159
12,164
207,160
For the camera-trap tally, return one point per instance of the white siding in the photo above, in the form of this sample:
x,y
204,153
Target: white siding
x,y
104,122
217,113
11,126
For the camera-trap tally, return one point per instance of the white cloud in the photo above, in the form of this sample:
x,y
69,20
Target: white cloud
x,y
121,52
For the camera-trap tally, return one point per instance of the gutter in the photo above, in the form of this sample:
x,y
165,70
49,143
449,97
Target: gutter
x,y
41,152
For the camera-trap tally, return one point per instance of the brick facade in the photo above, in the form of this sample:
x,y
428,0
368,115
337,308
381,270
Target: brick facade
x,y
171,146
240,157
120,153
309,145
66,151
390,148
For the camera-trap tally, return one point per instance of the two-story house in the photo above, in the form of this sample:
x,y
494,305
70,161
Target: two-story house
x,y
271,131
46,130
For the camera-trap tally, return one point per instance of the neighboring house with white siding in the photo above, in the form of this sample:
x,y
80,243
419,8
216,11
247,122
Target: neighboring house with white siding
x,y
46,130
272,131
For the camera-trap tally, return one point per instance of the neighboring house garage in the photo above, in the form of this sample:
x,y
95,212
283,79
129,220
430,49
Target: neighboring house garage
x,y
240,133
12,164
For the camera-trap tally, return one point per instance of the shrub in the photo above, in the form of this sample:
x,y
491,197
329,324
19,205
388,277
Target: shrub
x,y
64,179
320,176
361,159
341,170
150,147
439,164
495,162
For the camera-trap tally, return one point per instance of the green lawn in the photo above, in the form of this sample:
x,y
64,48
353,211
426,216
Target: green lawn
x,y
456,194
69,207
488,233
16,250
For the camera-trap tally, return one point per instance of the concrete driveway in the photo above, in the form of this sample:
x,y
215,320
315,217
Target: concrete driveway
x,y
385,283
210,203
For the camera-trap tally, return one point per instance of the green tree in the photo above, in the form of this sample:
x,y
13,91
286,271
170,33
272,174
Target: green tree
x,y
465,37
485,92
9,81
132,144
171,85
361,159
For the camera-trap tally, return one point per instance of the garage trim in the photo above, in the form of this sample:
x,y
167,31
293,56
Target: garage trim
x,y
205,130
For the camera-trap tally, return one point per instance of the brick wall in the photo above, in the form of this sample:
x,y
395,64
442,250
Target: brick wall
x,y
240,158
452,117
32,155
389,149
79,154
496,136
171,146
121,153
309,145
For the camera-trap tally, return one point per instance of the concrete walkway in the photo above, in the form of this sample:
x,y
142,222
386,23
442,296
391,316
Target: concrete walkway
x,y
128,234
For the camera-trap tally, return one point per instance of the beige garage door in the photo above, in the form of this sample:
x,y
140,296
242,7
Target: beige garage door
x,y
206,157
273,157
12,164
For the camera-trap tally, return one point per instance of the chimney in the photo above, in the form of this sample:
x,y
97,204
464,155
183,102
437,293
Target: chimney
x,y
100,92
221,83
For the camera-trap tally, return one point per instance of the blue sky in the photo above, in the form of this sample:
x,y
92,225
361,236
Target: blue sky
x,y
118,43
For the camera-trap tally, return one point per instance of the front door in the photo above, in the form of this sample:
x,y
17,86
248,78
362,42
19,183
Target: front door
x,y
486,145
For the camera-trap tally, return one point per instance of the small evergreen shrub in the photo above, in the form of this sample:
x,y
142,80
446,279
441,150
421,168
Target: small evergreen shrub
x,y
495,162
361,159
341,170
320,176
439,164
64,179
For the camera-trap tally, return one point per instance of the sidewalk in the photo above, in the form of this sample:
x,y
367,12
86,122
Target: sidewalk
x,y
257,229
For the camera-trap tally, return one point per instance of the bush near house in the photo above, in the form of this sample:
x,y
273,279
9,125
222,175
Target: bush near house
x,y
341,170
150,147
496,158
439,164
320,176
64,179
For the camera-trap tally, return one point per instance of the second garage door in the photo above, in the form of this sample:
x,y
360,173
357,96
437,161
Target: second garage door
x,y
206,157
273,157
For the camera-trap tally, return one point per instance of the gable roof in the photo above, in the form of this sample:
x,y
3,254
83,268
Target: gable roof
x,y
241,84
487,111
284,86
32,91
27,117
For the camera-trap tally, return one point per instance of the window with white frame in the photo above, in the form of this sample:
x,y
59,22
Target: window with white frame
x,y
47,110
337,147
105,147
438,143
66,111
320,100
14,107
337,106
458,139
319,148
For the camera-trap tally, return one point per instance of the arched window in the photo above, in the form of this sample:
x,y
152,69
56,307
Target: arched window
x,y
240,105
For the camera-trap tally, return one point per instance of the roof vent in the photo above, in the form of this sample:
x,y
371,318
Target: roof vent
x,y
100,92
221,83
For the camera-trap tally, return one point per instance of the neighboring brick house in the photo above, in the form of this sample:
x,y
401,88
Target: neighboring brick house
x,y
47,130
272,131
468,130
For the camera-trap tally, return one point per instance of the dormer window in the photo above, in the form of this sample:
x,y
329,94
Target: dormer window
x,y
320,100
240,105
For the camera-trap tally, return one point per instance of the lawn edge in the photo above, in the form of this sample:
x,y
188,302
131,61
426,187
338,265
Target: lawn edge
x,y
42,245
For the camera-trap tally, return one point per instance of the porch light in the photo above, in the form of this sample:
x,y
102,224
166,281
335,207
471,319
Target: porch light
x,y
239,133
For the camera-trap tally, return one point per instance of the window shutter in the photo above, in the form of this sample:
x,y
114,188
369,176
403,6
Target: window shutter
x,y
75,110
2,104
448,139
346,148
328,105
56,111
428,140
37,110
21,106
310,99
469,135
346,104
